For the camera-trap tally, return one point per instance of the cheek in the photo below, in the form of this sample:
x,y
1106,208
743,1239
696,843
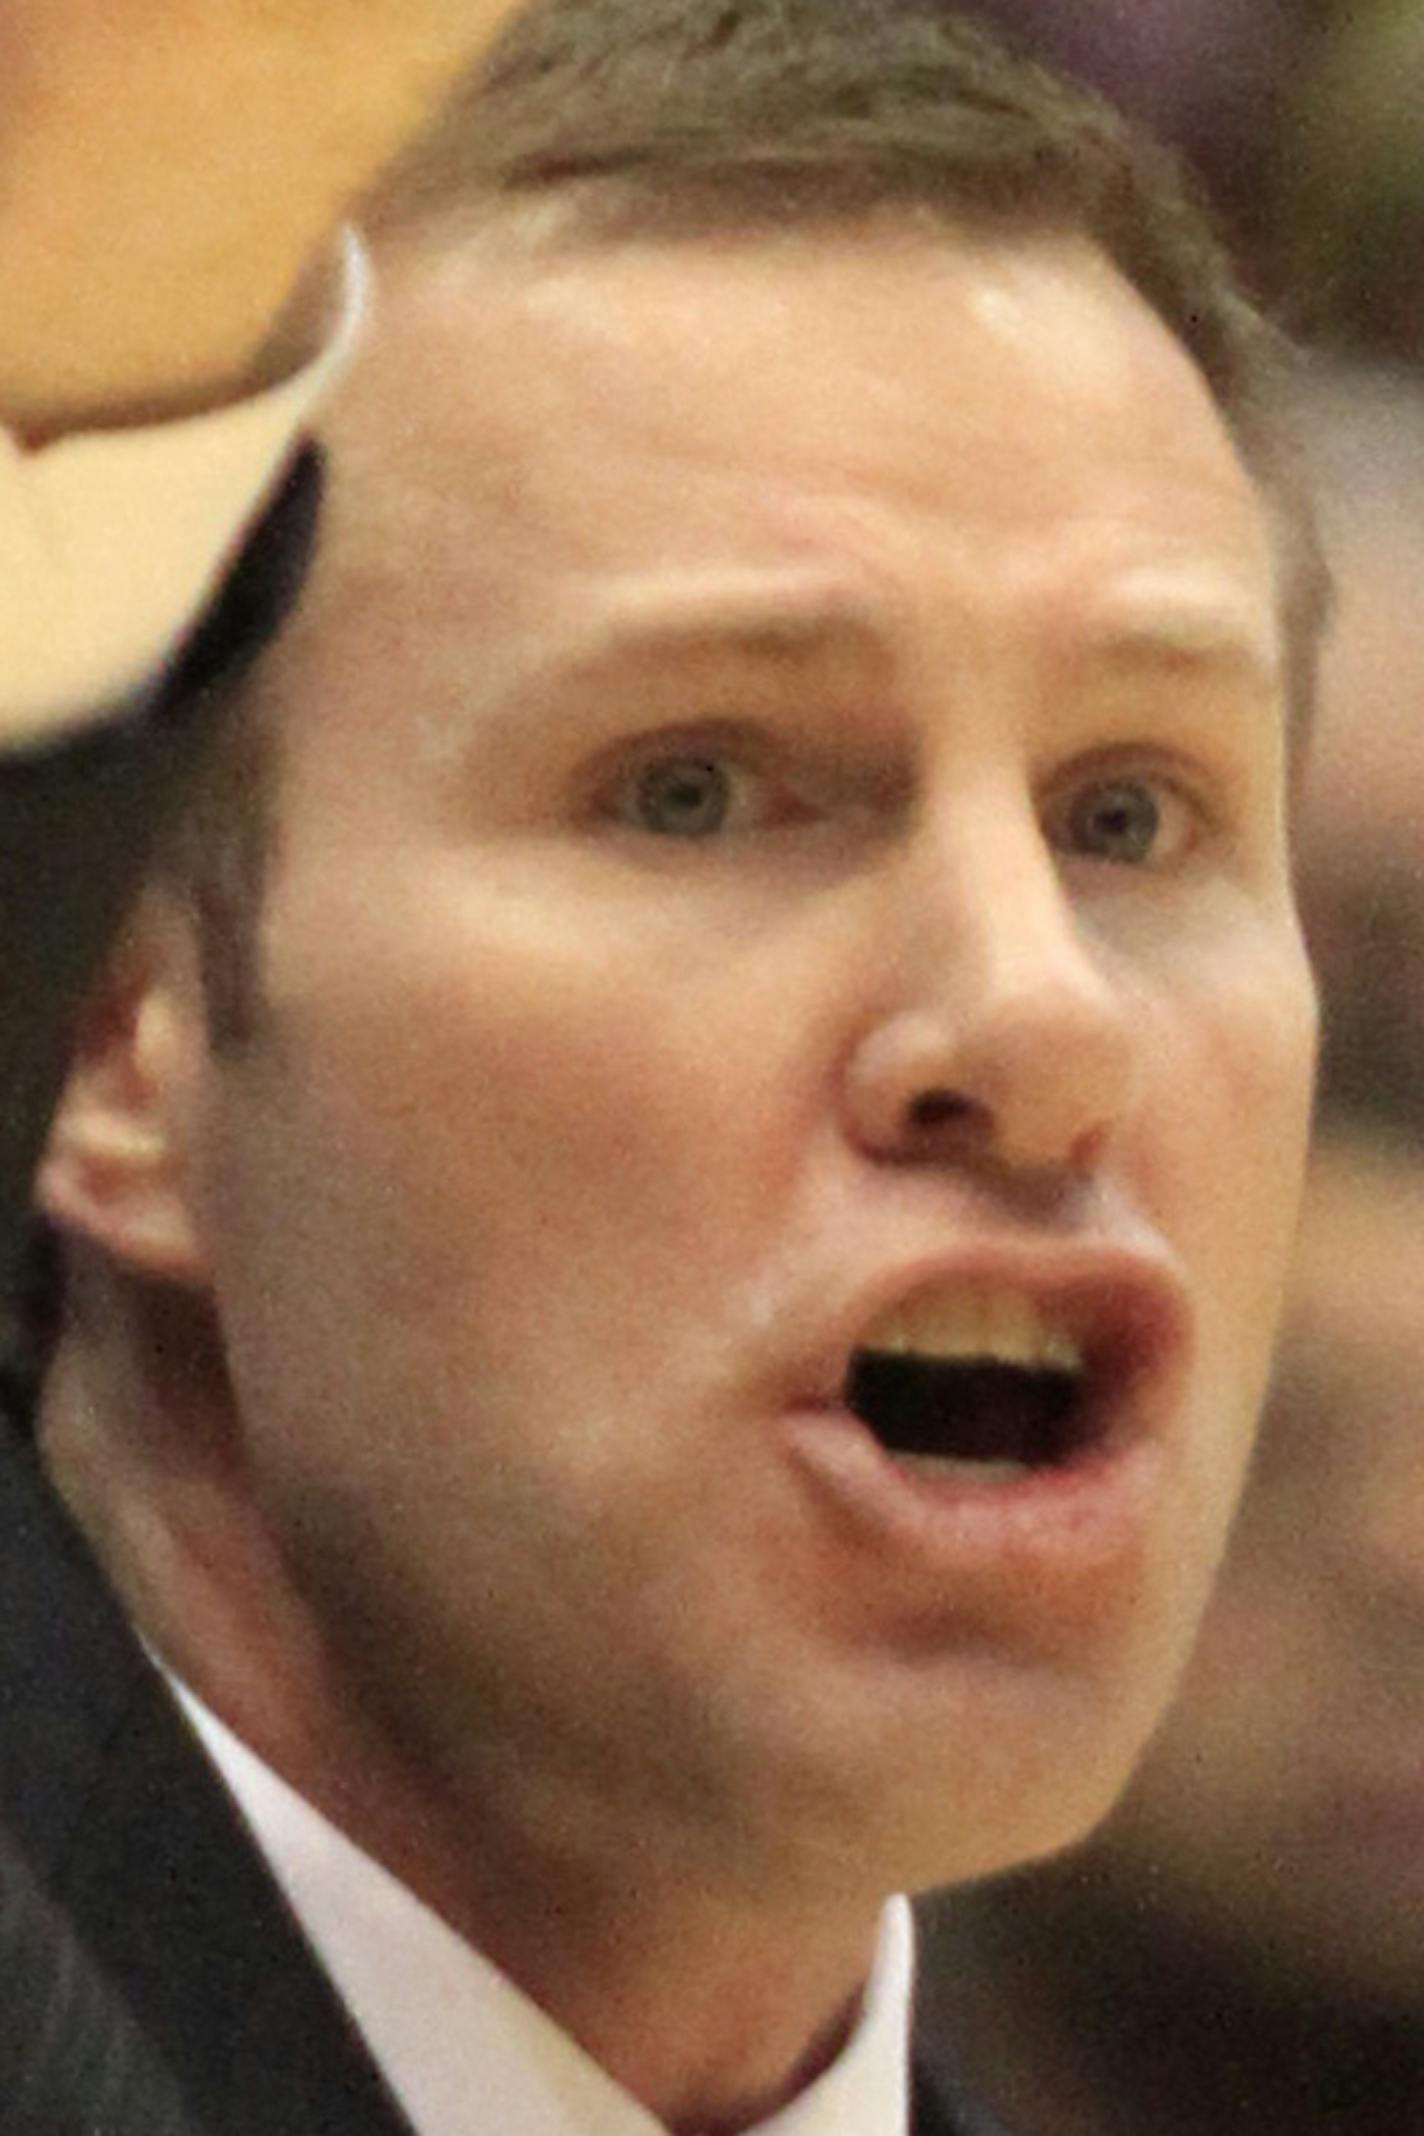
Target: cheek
x,y
1229,1056
523,1110
1221,1135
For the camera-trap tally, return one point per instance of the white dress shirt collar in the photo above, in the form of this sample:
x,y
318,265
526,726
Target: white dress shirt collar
x,y
460,2047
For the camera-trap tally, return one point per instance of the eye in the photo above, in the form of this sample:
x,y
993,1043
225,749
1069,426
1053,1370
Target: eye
x,y
689,796
741,785
699,791
1128,822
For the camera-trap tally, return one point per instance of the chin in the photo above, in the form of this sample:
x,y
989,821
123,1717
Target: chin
x,y
959,1799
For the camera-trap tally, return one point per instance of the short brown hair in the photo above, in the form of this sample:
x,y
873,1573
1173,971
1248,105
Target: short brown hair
x,y
698,113
676,117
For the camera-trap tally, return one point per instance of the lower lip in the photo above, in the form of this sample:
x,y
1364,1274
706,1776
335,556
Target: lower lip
x,y
1080,1523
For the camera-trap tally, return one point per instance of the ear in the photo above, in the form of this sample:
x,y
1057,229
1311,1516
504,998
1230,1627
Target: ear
x,y
118,1170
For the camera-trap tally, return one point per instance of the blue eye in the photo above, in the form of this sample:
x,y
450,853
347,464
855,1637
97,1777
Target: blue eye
x,y
682,797
1119,821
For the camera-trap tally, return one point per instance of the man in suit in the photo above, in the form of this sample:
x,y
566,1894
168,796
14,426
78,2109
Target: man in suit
x,y
673,1206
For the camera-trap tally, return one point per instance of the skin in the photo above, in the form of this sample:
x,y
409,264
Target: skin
x,y
453,1465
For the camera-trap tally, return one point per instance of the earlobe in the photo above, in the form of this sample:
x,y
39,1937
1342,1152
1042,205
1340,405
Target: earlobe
x,y
117,1169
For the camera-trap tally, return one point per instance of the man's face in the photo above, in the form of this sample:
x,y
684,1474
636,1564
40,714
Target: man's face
x,y
1281,1812
780,855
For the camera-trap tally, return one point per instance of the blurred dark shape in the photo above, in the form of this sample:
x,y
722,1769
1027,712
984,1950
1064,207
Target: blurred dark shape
x,y
1304,123
1348,183
72,2060
1206,75
1362,824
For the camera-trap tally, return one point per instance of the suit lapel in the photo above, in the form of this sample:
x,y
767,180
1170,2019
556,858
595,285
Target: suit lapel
x,y
119,1814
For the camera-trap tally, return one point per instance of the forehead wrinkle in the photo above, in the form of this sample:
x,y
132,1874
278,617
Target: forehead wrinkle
x,y
776,629
785,627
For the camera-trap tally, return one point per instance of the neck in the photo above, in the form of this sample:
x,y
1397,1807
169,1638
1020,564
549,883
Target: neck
x,y
710,2007
1073,2013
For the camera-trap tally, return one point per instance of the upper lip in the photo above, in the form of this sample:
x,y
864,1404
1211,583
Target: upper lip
x,y
1126,1307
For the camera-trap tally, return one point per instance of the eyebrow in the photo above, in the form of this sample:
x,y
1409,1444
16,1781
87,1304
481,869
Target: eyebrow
x,y
777,629
799,622
789,623
1210,629
786,626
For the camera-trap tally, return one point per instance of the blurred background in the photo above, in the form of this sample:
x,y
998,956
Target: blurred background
x,y
1242,1949
1303,120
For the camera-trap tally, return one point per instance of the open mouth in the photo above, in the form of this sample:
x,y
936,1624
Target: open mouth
x,y
982,1387
999,1418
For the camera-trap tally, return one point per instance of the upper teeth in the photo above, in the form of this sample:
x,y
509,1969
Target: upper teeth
x,y
1000,1326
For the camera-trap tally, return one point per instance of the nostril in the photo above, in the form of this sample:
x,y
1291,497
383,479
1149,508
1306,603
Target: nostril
x,y
940,1108
1087,1152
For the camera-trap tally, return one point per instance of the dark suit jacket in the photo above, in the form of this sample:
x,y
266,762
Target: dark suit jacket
x,y
124,1825
77,819
72,2062
156,1983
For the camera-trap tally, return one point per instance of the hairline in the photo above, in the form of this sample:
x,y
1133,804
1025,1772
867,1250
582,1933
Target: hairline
x,y
589,211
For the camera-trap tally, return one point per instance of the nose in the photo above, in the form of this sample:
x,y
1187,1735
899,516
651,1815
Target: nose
x,y
1000,1036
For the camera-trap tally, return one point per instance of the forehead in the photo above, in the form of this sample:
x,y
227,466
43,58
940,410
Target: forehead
x,y
546,427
